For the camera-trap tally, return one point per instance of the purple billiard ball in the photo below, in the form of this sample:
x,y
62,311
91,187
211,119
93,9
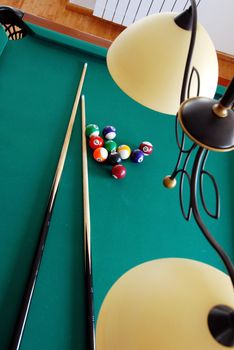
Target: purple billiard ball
x,y
109,132
137,156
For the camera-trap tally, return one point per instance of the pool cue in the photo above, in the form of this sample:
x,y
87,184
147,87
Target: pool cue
x,y
30,286
87,239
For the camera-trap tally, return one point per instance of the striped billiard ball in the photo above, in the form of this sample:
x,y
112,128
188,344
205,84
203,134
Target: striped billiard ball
x,y
109,132
92,130
100,154
124,151
146,147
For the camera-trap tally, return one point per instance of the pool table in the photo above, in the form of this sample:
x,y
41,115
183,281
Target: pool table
x,y
133,220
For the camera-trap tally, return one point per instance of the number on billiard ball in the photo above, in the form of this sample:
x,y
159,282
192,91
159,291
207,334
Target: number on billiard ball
x,y
95,142
146,147
100,154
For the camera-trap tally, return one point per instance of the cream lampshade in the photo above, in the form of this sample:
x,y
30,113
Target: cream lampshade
x,y
147,61
163,304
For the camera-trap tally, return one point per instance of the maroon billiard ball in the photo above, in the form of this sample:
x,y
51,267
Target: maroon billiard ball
x,y
146,147
118,171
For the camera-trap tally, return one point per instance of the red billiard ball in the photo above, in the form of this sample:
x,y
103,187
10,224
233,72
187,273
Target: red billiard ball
x,y
146,147
95,142
119,171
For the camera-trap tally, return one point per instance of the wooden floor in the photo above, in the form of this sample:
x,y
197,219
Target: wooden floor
x,y
58,11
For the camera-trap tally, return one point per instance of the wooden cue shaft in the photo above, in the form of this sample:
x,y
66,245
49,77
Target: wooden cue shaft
x,y
87,238
28,293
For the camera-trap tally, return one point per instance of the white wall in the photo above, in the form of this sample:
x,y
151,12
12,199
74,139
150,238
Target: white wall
x,y
90,4
217,16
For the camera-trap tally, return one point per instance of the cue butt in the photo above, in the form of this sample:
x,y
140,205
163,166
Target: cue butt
x,y
87,237
32,279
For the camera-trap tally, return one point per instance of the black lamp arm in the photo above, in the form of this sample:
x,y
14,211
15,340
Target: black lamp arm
x,y
192,17
228,98
194,205
187,21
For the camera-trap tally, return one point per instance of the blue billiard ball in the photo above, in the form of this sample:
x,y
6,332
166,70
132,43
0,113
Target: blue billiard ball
x,y
109,132
137,156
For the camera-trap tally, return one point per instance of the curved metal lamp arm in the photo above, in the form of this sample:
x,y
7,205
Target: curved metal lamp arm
x,y
194,205
187,21
190,51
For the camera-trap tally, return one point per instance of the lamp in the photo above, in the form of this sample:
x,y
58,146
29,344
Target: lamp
x,y
148,59
163,304
174,303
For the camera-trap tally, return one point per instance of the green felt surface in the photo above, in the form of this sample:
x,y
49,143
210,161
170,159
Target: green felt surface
x,y
133,220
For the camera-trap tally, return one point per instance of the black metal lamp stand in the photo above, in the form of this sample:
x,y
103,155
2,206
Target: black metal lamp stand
x,y
210,125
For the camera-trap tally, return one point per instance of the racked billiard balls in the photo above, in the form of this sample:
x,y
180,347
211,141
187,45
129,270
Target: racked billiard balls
x,y
109,132
114,158
137,156
146,147
95,142
124,151
92,130
100,154
118,171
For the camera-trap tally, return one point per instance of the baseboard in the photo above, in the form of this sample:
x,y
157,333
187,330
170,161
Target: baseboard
x,y
226,66
80,9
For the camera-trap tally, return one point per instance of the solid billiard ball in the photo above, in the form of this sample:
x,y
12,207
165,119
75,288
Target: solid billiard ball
x,y
100,154
92,130
95,142
146,147
137,156
114,158
110,145
109,132
124,151
118,171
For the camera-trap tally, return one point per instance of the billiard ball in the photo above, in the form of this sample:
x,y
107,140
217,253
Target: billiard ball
x,y
109,132
100,154
118,171
92,130
146,147
95,142
110,145
124,151
114,158
137,156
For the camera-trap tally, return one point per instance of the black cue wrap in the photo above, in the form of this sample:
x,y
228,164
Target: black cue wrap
x,y
89,302
30,286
